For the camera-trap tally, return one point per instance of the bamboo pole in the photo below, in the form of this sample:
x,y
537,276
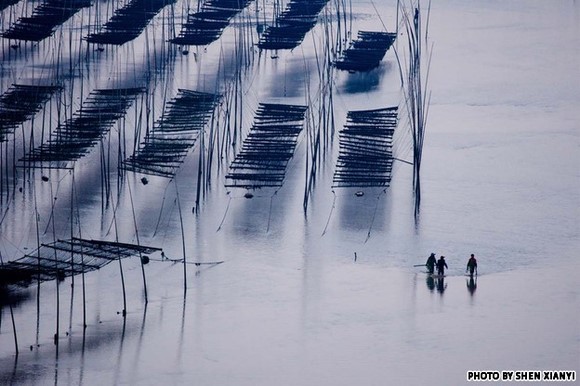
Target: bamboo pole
x,y
182,239
138,243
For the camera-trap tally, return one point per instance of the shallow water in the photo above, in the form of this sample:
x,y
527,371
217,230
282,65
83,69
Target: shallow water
x,y
290,305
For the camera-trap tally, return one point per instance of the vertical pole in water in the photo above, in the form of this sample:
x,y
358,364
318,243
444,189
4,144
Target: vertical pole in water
x,y
123,284
82,265
182,240
72,263
57,300
38,261
120,264
416,96
14,329
57,270
200,166
138,243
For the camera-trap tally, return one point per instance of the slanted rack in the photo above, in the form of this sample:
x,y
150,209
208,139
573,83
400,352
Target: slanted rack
x,y
268,147
174,134
292,25
73,138
365,156
128,22
365,52
44,20
64,258
206,25
20,103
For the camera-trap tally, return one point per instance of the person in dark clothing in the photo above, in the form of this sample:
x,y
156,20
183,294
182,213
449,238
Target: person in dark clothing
x,y
471,265
441,265
431,261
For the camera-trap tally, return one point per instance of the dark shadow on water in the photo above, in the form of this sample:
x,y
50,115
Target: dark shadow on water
x,y
249,216
291,83
13,296
257,214
363,213
362,82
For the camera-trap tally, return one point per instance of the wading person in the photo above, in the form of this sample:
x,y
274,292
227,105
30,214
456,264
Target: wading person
x,y
431,261
471,265
441,265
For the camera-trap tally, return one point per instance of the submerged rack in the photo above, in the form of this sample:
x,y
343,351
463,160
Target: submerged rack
x,y
268,147
174,134
206,25
20,103
64,258
365,52
291,26
74,138
365,157
44,20
128,22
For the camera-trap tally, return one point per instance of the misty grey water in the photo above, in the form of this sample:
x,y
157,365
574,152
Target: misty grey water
x,y
326,296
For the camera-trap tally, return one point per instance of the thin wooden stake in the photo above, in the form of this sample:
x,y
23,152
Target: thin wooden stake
x,y
182,240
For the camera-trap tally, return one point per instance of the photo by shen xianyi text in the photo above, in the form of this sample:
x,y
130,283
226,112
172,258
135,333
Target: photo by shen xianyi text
x,y
522,376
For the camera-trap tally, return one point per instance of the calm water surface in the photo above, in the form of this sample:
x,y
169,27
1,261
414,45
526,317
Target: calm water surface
x,y
290,305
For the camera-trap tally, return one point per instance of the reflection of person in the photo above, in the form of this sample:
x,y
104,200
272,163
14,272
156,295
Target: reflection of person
x,y
471,285
441,265
431,261
471,265
430,283
441,285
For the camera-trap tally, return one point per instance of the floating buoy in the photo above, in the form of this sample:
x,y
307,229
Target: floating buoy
x,y
145,259
360,193
44,178
248,195
185,52
144,181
